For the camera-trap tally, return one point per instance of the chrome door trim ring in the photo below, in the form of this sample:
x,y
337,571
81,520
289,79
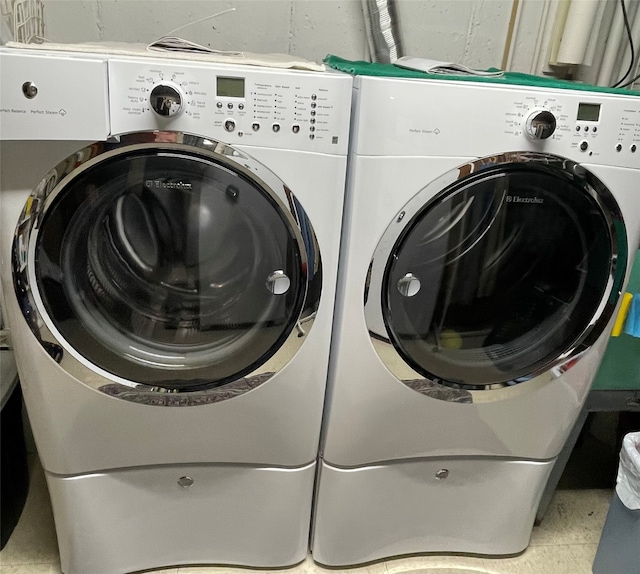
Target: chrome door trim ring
x,y
435,190
93,376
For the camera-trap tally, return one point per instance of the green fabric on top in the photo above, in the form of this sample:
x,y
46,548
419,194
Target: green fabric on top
x,y
620,368
358,68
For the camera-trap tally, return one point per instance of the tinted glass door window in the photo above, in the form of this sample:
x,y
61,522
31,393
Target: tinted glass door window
x,y
498,277
170,269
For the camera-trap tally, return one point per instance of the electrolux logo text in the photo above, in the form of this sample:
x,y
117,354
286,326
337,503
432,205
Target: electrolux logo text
x,y
158,184
518,199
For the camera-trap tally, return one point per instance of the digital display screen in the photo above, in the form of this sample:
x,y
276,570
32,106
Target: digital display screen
x,y
230,87
588,112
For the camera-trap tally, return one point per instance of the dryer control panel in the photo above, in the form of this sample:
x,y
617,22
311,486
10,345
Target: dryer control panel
x,y
247,105
454,119
585,125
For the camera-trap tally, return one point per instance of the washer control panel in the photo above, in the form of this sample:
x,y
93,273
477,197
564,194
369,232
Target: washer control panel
x,y
237,104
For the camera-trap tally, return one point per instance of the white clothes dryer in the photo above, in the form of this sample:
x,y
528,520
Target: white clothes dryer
x,y
170,240
486,241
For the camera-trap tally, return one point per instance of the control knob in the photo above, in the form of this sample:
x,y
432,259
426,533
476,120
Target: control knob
x,y
166,100
540,125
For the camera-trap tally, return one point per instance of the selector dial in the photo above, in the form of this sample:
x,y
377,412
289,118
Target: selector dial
x,y
540,125
166,100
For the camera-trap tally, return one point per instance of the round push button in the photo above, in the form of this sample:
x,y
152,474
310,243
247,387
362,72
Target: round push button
x,y
30,90
229,125
185,482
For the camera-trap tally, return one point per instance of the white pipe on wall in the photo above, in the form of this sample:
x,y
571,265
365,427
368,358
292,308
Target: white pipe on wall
x,y
595,35
512,35
635,34
611,49
578,29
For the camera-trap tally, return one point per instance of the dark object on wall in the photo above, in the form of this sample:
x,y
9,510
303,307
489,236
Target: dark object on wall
x,y
14,474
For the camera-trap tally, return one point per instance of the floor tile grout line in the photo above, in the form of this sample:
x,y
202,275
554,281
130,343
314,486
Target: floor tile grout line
x,y
447,567
2,563
562,543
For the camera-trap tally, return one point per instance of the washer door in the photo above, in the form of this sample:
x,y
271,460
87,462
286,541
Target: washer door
x,y
496,273
177,265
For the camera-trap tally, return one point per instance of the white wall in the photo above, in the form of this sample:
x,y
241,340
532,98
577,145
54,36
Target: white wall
x,y
472,32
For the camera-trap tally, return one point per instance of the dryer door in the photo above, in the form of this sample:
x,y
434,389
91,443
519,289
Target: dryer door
x,y
169,264
497,273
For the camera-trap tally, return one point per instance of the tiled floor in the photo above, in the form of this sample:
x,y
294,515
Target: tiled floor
x,y
565,543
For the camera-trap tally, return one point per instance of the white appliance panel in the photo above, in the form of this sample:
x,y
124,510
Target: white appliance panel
x,y
278,108
406,117
67,101
370,513
254,428
394,422
143,518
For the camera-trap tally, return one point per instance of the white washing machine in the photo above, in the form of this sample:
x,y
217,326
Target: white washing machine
x,y
170,234
487,238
